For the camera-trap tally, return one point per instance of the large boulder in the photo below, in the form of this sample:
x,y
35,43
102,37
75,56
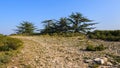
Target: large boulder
x,y
99,60
102,60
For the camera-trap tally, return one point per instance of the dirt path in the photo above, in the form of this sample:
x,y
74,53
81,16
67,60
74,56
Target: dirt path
x,y
47,52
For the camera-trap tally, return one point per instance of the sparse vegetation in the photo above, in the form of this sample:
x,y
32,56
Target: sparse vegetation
x,y
8,46
4,58
7,43
95,48
94,66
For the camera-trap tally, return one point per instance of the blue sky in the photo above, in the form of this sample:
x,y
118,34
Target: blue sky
x,y
13,12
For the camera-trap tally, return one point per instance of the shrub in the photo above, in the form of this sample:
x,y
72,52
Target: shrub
x,y
95,48
7,43
100,48
14,43
5,48
90,48
8,47
4,59
111,35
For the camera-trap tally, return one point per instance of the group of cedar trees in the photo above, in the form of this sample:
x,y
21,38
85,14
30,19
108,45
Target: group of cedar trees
x,y
75,23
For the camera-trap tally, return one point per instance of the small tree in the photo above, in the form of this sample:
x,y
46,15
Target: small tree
x,y
25,28
79,23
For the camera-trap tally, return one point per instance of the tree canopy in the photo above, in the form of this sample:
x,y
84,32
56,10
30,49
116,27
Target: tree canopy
x,y
79,23
25,28
76,22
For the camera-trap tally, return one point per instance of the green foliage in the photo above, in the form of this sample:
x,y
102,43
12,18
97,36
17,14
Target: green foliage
x,y
79,23
4,59
25,28
100,48
14,43
50,27
95,48
75,23
113,35
90,48
5,48
7,43
8,48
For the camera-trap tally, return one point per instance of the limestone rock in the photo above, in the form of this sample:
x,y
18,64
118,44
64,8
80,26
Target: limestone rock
x,y
99,60
105,59
109,64
102,60
14,67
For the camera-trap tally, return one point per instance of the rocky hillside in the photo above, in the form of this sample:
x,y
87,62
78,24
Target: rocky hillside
x,y
61,52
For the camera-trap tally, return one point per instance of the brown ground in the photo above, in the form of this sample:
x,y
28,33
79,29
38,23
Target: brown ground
x,y
57,52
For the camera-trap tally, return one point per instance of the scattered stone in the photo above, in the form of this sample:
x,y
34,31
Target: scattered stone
x,y
99,60
102,60
12,60
14,67
105,59
109,64
105,67
44,53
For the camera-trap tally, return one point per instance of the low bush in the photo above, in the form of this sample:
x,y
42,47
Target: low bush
x,y
4,59
90,48
7,43
8,47
95,48
111,35
100,48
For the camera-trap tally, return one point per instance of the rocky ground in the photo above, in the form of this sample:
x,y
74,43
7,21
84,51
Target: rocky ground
x,y
60,52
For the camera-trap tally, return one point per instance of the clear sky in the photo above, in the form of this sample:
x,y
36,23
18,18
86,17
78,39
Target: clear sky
x,y
13,12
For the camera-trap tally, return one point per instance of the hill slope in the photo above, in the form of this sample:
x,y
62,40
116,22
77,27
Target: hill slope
x,y
48,52
58,52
